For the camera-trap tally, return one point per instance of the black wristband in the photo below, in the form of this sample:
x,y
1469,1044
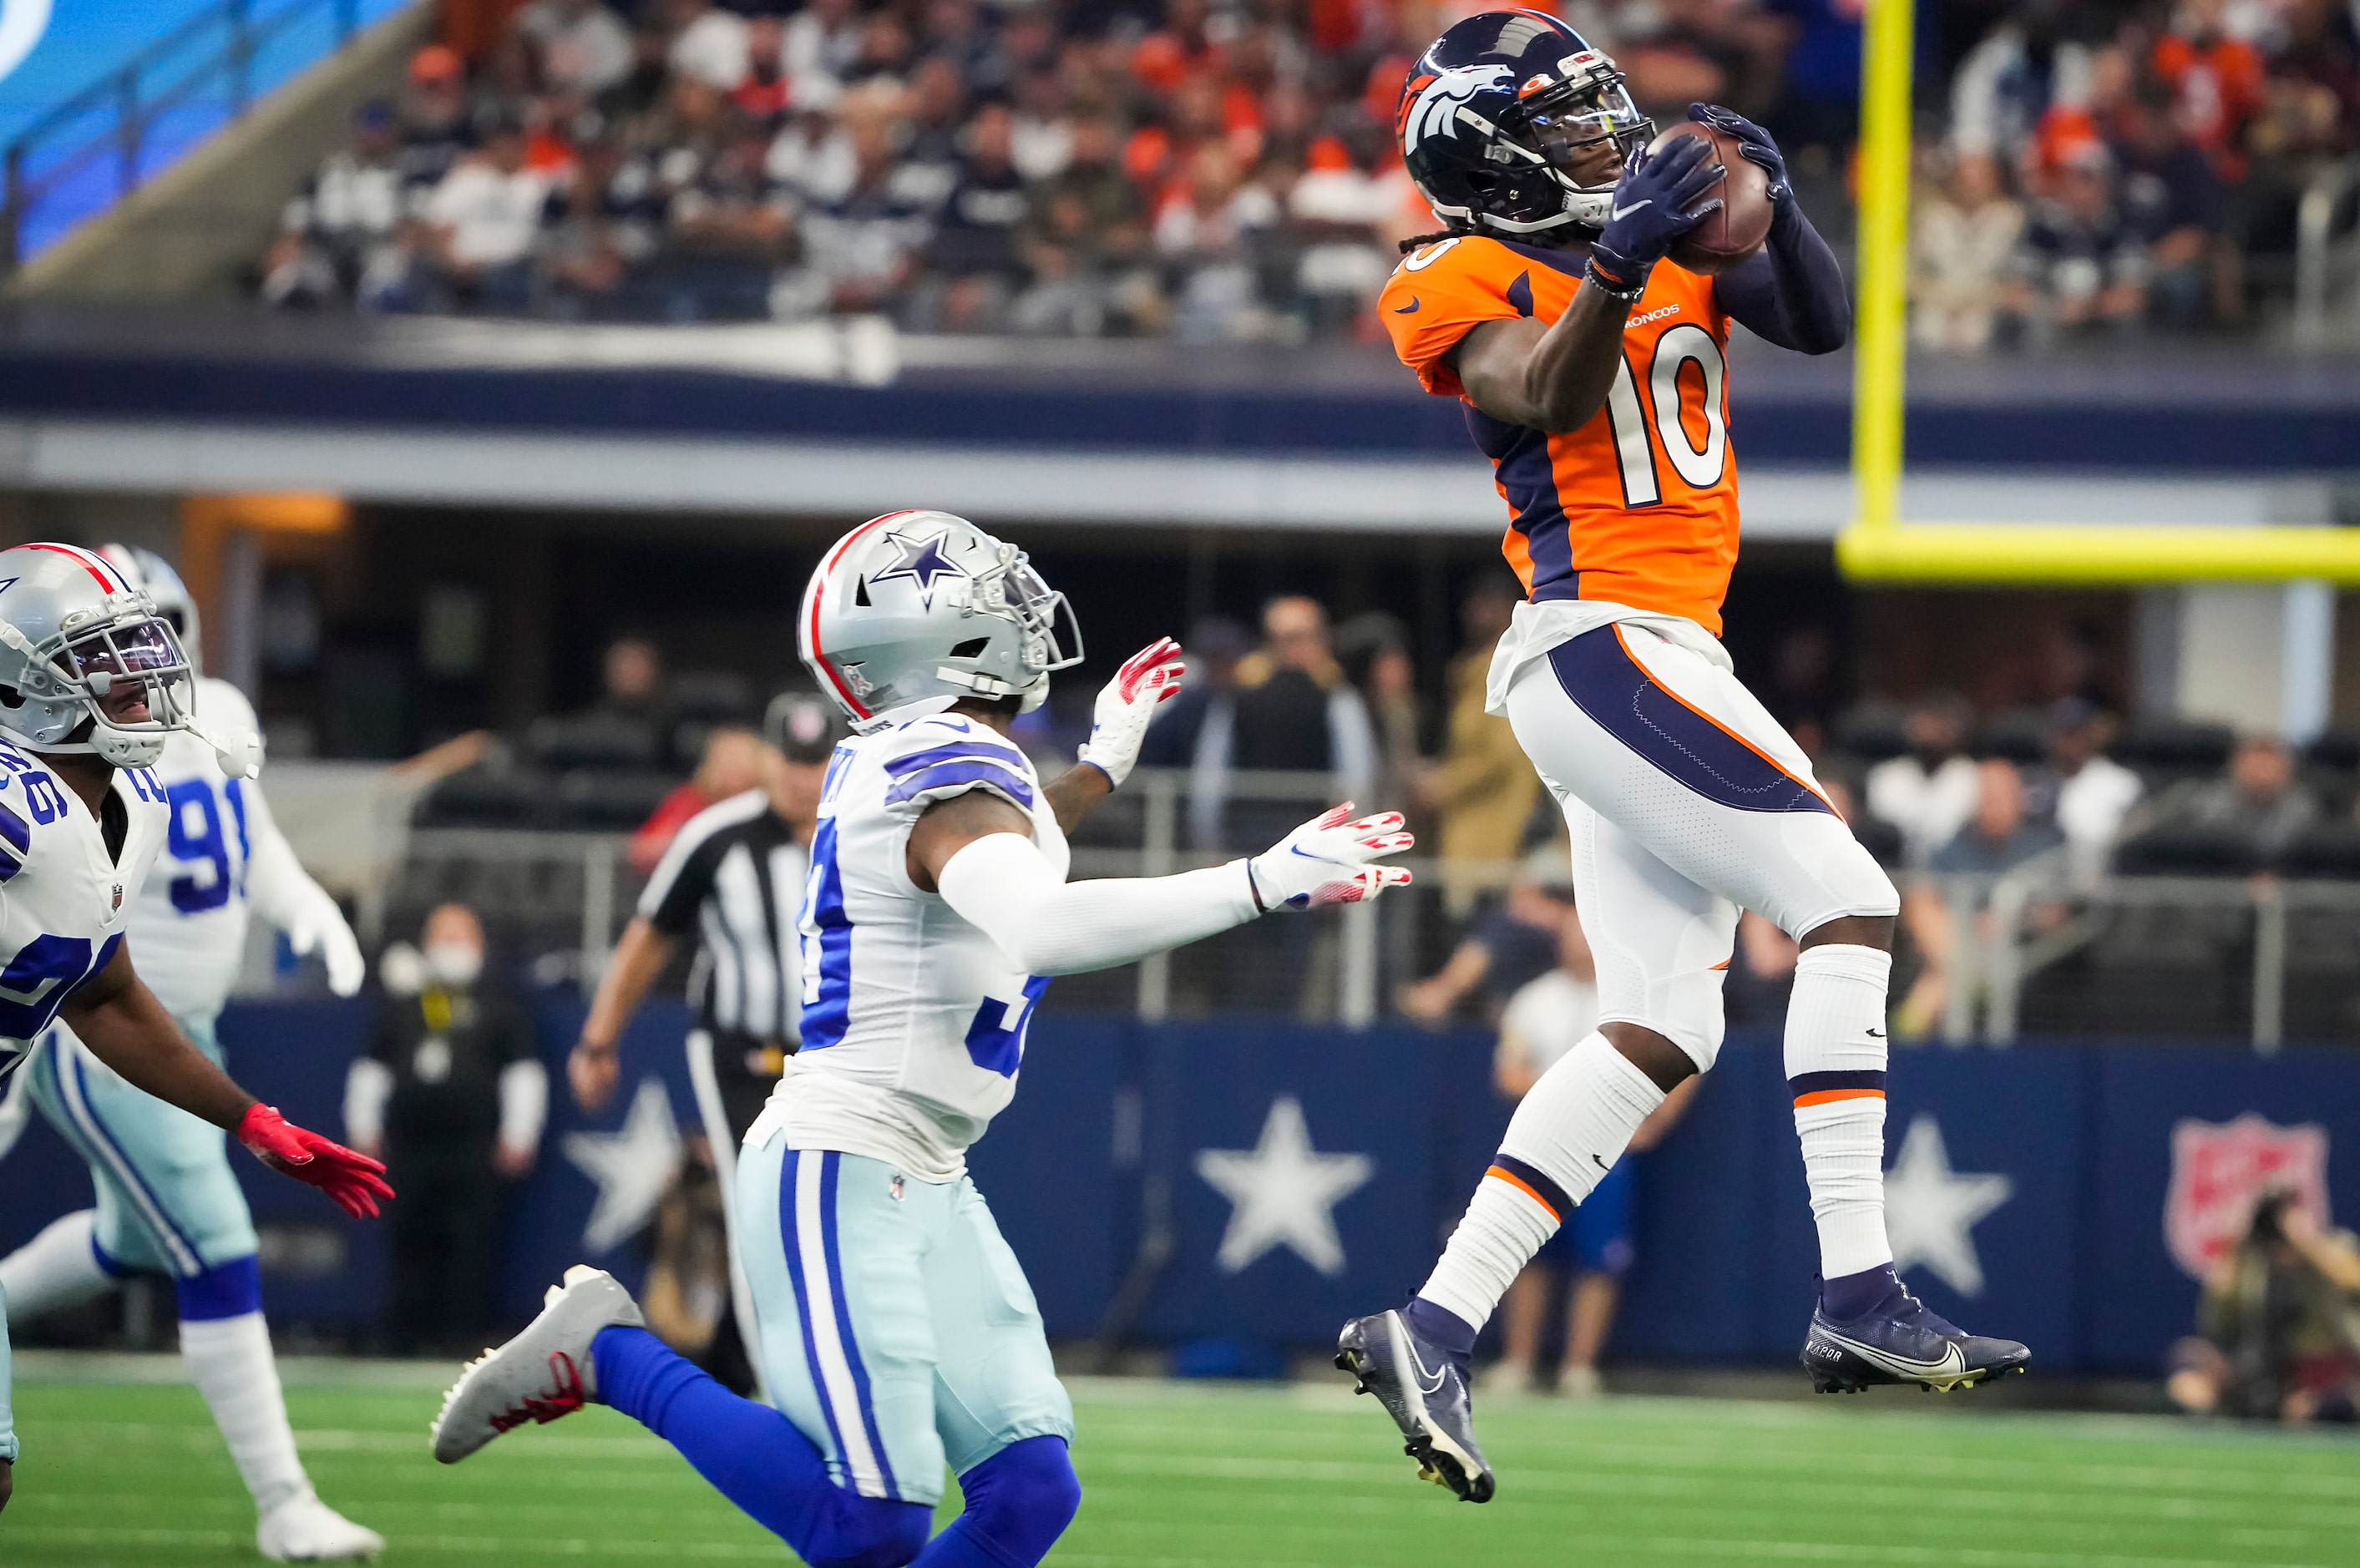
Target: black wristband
x,y
1615,287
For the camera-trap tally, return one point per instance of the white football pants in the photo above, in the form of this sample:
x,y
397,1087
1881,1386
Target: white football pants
x,y
1686,802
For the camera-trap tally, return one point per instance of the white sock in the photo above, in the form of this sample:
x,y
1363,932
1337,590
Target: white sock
x,y
229,1360
1835,1068
57,1269
1564,1135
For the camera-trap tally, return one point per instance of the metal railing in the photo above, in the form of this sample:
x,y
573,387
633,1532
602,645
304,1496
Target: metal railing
x,y
2006,932
174,72
2315,255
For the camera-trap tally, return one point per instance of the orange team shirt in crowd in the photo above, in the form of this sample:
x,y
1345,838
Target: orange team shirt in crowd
x,y
1639,505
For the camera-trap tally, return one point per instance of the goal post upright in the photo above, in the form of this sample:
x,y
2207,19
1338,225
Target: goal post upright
x,y
1877,545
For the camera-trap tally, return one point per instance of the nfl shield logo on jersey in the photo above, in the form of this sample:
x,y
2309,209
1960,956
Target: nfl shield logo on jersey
x,y
118,896
2218,1170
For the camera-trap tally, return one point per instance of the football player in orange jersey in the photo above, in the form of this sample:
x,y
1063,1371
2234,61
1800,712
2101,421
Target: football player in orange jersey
x,y
1594,375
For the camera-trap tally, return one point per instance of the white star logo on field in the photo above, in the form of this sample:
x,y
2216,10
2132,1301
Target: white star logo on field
x,y
633,1167
1282,1193
1931,1211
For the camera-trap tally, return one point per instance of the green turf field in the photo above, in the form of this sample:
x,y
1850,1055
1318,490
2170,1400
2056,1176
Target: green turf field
x,y
132,1476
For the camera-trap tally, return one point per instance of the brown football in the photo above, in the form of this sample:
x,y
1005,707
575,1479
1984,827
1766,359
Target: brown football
x,y
1737,230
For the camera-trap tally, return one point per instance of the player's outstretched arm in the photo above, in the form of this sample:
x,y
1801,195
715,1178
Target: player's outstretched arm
x,y
977,851
1556,378
127,1027
1791,291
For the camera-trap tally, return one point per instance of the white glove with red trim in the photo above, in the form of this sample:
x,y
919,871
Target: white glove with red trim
x,y
1330,859
1118,723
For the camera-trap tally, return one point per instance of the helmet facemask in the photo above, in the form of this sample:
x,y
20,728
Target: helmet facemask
x,y
110,662
1012,587
1562,119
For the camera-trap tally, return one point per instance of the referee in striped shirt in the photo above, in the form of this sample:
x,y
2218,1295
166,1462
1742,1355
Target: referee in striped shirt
x,y
733,879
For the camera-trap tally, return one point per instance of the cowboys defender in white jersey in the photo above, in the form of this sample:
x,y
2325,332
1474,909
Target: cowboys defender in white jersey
x,y
93,687
167,1200
898,1333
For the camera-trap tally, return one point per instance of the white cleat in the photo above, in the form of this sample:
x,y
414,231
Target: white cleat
x,y
543,1373
305,1529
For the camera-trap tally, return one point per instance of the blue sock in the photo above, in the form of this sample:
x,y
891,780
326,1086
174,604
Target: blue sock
x,y
1847,1296
754,1456
1444,1327
1018,1502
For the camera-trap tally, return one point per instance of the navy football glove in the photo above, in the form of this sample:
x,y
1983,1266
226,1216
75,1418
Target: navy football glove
x,y
1661,196
1757,148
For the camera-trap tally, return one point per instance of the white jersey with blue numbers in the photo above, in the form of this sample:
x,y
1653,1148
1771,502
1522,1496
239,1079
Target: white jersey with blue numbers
x,y
188,934
914,1020
64,901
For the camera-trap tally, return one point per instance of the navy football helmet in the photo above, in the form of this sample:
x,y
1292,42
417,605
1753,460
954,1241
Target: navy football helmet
x,y
1497,108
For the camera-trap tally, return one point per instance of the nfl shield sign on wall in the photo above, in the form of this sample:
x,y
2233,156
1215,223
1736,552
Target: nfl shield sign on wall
x,y
2218,1169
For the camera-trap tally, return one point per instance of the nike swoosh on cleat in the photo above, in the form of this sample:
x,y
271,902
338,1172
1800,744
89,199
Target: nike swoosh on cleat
x,y
1419,1362
1410,309
1626,212
1953,1359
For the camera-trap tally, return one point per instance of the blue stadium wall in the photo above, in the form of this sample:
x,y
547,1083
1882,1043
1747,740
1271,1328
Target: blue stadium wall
x,y
2074,1260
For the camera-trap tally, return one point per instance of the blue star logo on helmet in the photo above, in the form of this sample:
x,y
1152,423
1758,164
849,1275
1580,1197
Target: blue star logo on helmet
x,y
920,561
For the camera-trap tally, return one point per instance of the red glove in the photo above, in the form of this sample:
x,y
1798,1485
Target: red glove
x,y
355,1181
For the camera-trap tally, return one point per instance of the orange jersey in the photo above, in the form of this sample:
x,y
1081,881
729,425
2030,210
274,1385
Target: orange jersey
x,y
1639,505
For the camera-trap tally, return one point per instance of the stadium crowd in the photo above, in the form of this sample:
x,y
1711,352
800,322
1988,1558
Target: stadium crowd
x,y
1224,172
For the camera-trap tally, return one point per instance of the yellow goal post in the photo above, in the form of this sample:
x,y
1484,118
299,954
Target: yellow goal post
x,y
1878,546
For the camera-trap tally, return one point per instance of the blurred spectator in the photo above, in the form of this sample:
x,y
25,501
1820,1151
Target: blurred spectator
x,y
1373,649
1483,789
813,158
732,764
975,245
1801,691
1998,838
452,1097
2171,200
1513,942
1963,249
763,93
1086,242
1929,790
1343,208
340,236
481,225
861,251
1294,709
600,228
2260,803
1210,233
1546,1020
2084,264
583,47
2278,1324
435,131
1192,730
1816,85
2214,79
2091,793
2026,67
821,42
708,43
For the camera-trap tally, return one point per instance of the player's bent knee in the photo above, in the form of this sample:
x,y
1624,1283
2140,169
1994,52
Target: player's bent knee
x,y
1852,930
867,1533
1022,1497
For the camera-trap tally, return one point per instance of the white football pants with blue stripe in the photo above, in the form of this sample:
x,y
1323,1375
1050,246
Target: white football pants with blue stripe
x,y
898,1331
168,1204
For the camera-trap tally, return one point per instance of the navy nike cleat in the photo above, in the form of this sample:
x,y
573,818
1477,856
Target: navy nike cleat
x,y
1900,1340
1424,1387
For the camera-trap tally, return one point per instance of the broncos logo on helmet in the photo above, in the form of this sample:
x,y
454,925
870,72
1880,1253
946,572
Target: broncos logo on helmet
x,y
1431,104
1497,120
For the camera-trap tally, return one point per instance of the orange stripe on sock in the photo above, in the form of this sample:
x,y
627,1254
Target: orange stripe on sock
x,y
1825,1095
1521,1185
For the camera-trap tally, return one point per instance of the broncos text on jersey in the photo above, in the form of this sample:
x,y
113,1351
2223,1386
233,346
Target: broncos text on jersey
x,y
914,1021
64,900
1639,505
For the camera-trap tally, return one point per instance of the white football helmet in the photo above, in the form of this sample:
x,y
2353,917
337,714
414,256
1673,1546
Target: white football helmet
x,y
153,575
913,611
72,630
